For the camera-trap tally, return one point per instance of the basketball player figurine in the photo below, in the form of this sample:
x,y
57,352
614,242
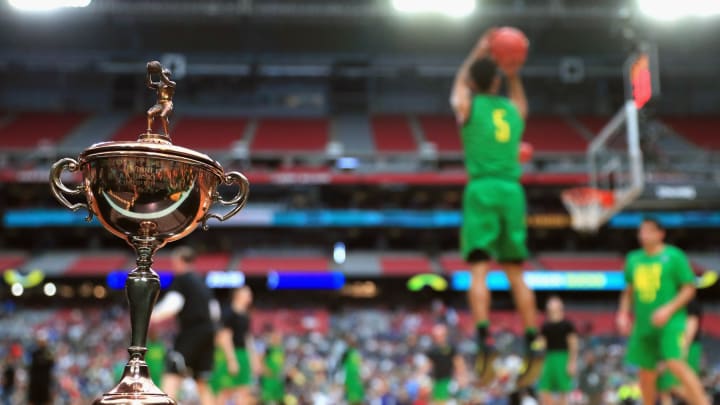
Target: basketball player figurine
x,y
165,90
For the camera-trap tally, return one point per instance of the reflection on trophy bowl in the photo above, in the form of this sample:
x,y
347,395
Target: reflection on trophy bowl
x,y
128,188
148,188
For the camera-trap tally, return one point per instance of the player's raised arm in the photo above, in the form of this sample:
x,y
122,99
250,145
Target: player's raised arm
x,y
516,92
165,79
461,93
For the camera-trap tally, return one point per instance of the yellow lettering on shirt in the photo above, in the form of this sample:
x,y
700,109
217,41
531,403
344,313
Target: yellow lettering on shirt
x,y
502,128
646,281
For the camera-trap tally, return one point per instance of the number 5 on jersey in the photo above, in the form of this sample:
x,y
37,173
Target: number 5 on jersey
x,y
502,128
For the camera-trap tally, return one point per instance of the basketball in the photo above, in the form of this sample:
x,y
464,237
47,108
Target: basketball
x,y
154,67
509,46
526,152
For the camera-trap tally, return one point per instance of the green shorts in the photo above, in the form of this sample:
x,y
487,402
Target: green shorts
x,y
221,379
494,220
666,380
155,359
554,377
272,389
441,389
648,350
354,391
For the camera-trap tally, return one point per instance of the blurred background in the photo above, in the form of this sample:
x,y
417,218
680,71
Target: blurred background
x,y
337,112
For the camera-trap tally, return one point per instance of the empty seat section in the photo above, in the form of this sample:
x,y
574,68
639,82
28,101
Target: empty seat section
x,y
260,265
29,130
451,263
203,263
11,261
98,265
392,134
443,132
594,124
702,131
553,134
401,265
299,135
581,263
207,133
132,128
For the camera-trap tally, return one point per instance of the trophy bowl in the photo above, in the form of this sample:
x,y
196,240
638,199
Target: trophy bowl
x,y
148,192
144,187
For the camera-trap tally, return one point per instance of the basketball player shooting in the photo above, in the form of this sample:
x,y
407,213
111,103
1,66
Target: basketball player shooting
x,y
494,227
165,90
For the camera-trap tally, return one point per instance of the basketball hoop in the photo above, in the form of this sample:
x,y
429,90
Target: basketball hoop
x,y
587,206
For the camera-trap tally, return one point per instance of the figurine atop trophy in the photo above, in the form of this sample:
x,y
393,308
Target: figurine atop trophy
x,y
165,88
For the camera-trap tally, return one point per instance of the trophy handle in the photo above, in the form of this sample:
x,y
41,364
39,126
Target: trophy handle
x,y
58,188
238,200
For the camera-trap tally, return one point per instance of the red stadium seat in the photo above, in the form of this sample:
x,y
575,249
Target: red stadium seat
x,y
392,134
581,263
29,130
702,131
403,265
132,128
451,263
593,123
204,263
208,133
553,134
443,132
261,265
299,135
11,261
99,264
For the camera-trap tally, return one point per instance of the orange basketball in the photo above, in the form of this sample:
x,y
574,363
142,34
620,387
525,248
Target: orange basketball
x,y
526,152
509,46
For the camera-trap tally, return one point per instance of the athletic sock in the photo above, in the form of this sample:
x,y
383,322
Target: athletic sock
x,y
482,334
530,336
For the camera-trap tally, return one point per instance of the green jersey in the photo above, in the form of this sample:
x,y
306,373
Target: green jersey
x,y
274,360
656,280
351,365
491,138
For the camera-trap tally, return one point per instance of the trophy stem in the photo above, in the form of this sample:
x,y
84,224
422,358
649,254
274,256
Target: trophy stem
x,y
142,289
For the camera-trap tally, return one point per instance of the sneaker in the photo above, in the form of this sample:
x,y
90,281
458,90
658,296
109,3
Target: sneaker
x,y
532,364
484,364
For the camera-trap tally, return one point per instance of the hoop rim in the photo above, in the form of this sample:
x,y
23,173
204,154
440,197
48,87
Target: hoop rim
x,y
585,196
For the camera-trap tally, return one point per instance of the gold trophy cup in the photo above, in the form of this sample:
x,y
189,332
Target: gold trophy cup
x,y
149,192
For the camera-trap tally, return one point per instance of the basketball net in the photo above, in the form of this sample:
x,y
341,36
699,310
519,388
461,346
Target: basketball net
x,y
586,206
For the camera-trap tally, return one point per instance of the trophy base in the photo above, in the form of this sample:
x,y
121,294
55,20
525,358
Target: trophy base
x,y
135,388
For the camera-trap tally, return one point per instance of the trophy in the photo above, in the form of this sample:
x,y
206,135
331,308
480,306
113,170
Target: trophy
x,y
149,192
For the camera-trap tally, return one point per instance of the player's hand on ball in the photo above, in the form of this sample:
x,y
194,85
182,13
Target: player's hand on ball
x,y
623,323
483,45
661,316
511,70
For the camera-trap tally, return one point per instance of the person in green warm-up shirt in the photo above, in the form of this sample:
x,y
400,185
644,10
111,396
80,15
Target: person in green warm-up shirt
x,y
272,381
659,285
352,366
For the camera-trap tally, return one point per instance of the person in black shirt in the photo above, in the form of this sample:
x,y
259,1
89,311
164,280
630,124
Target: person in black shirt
x,y
446,363
42,363
233,372
7,381
561,343
192,303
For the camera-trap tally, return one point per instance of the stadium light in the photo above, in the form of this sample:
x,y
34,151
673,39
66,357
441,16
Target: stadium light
x,y
49,289
450,8
339,253
17,289
668,10
47,5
